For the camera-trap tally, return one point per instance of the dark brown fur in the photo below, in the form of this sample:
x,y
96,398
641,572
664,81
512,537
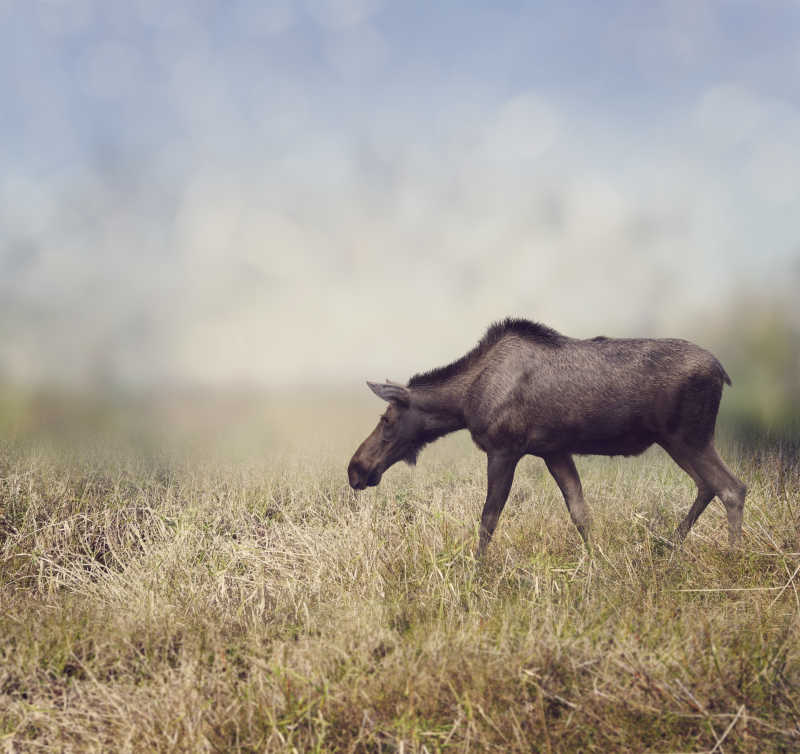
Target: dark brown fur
x,y
526,389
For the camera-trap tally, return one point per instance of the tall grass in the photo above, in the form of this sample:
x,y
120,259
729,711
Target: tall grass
x,y
168,603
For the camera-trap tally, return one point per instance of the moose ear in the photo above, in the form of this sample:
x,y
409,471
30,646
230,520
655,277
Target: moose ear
x,y
390,391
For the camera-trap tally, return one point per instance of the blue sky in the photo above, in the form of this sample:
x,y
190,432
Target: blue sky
x,y
283,191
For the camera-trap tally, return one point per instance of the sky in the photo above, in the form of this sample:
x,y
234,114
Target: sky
x,y
285,192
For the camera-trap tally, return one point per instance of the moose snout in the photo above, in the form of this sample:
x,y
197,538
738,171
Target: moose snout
x,y
356,476
360,478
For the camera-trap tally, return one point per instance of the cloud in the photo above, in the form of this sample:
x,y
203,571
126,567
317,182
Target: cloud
x,y
111,70
64,17
283,193
265,18
729,115
341,14
524,128
774,171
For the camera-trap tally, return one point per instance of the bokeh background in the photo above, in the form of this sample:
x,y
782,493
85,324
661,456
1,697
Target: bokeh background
x,y
209,205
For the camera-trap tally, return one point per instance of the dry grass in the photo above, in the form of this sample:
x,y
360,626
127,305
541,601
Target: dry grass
x,y
210,605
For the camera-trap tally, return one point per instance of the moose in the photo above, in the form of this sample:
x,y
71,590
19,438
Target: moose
x,y
526,389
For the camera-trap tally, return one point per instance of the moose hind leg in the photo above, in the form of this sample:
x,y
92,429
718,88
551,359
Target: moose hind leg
x,y
712,477
563,470
726,486
704,495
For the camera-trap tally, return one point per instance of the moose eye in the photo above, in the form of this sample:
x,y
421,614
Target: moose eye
x,y
388,430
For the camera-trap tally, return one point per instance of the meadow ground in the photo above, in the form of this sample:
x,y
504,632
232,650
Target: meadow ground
x,y
201,602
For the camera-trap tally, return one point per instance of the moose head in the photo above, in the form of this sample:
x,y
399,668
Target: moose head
x,y
399,436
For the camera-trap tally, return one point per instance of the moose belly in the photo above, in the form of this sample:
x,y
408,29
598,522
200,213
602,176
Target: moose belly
x,y
630,444
608,438
596,427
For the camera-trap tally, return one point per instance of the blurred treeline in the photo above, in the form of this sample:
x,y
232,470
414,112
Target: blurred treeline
x,y
758,343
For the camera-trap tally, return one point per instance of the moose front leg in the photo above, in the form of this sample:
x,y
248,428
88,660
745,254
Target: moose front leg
x,y
500,475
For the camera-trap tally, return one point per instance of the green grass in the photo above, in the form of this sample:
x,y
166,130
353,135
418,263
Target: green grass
x,y
200,604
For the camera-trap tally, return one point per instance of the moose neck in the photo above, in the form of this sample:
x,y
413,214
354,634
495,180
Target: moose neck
x,y
442,407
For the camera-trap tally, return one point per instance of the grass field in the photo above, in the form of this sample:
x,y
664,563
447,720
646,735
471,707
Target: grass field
x,y
158,601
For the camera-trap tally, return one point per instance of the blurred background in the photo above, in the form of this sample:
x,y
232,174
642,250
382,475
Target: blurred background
x,y
208,206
